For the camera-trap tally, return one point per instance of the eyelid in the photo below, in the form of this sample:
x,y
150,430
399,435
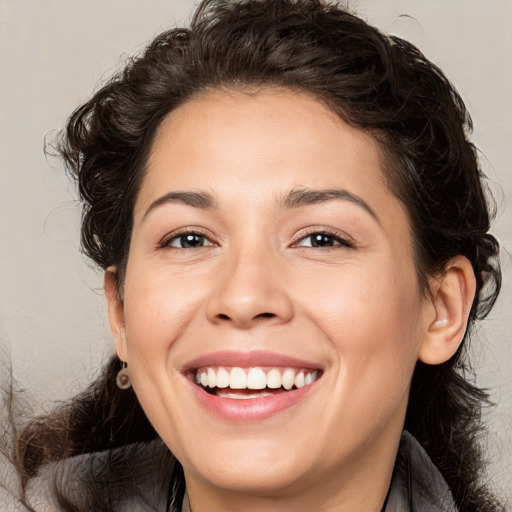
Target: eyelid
x,y
342,237
194,230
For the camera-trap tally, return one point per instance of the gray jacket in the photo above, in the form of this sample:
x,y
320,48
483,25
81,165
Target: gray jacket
x,y
417,486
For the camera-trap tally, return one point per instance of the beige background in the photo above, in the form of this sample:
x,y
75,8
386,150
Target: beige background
x,y
53,53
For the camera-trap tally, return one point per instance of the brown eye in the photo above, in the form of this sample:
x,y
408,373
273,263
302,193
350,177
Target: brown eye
x,y
322,240
189,241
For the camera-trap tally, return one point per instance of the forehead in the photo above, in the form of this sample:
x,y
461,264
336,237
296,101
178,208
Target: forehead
x,y
248,152
271,139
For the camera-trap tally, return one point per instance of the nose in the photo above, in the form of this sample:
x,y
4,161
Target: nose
x,y
250,291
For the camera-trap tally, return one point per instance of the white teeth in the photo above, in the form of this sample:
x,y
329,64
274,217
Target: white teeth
x,y
256,379
288,379
300,380
253,378
239,396
237,378
310,377
212,380
274,379
222,378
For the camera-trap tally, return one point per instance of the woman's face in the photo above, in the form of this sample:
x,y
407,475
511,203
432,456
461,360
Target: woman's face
x,y
268,252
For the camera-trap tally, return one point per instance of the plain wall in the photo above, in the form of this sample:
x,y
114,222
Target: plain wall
x,y
53,53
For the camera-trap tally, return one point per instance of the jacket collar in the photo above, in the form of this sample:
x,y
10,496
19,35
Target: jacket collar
x,y
417,485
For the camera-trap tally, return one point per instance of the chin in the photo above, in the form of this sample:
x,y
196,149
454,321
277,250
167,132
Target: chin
x,y
253,477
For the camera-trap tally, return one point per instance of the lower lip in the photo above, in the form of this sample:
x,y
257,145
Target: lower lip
x,y
250,409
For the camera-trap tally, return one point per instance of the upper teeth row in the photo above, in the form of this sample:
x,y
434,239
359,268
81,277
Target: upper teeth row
x,y
254,378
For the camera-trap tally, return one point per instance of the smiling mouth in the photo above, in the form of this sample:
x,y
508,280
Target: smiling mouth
x,y
255,382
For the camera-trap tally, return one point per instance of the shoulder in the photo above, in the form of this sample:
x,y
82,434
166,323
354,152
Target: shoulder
x,y
417,485
132,478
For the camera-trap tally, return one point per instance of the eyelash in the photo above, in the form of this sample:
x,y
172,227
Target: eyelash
x,y
166,243
339,241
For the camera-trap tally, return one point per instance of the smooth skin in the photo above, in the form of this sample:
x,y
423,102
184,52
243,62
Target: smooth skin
x,y
257,277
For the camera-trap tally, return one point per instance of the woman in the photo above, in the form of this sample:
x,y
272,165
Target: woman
x,y
295,244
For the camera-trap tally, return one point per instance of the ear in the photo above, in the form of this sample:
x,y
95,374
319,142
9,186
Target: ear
x,y
115,312
452,296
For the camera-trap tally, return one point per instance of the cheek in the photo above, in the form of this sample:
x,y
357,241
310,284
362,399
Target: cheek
x,y
372,322
158,308
371,303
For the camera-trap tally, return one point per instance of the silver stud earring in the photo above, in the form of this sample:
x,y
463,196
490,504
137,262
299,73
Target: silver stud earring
x,y
123,378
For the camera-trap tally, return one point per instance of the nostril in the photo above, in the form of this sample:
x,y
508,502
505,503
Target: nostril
x,y
223,316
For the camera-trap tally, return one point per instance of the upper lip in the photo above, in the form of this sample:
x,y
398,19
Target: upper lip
x,y
250,359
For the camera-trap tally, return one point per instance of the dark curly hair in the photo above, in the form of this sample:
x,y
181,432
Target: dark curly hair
x,y
380,84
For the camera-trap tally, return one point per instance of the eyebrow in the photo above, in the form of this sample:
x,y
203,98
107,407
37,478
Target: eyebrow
x,y
305,197
294,199
202,200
